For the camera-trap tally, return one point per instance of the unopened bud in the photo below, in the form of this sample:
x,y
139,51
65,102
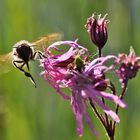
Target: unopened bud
x,y
97,30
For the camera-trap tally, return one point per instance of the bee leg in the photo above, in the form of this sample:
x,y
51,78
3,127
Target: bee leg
x,y
19,62
27,64
40,54
27,74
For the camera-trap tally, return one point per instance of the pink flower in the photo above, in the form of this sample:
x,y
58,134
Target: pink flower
x,y
86,80
130,64
84,87
56,67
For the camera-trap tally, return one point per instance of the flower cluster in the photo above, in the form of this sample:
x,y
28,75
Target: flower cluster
x,y
87,79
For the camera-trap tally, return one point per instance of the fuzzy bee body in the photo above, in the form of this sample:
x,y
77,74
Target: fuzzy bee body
x,y
23,52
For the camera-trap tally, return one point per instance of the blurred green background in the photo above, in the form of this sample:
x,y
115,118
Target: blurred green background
x,y
27,113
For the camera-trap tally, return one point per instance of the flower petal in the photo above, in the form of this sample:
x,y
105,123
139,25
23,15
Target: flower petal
x,y
88,121
108,111
77,108
112,97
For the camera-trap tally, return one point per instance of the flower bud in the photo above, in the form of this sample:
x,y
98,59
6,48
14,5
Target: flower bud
x,y
97,30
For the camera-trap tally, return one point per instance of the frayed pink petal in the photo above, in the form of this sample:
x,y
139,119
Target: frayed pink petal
x,y
100,61
79,124
77,107
66,97
92,93
73,44
131,57
109,112
79,110
54,85
113,115
111,97
66,55
89,67
88,121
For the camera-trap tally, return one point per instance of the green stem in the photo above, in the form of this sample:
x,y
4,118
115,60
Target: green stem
x,y
97,113
117,107
100,52
107,127
111,138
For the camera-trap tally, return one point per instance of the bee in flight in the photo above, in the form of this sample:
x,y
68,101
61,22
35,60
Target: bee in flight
x,y
24,51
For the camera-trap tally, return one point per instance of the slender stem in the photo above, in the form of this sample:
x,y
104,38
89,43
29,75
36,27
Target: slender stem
x,y
110,133
112,87
103,100
103,119
106,117
100,52
111,138
117,107
108,127
97,113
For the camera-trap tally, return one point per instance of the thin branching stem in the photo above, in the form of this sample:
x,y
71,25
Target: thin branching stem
x,y
117,107
107,126
101,119
103,100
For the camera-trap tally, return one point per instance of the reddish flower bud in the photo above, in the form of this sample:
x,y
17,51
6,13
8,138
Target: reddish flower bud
x,y
97,30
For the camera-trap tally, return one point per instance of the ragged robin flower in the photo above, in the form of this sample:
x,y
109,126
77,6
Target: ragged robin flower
x,y
56,66
129,66
85,80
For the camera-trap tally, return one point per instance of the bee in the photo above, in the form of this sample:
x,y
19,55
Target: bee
x,y
23,52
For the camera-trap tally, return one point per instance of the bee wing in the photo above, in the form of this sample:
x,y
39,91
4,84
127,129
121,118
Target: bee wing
x,y
6,62
45,41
